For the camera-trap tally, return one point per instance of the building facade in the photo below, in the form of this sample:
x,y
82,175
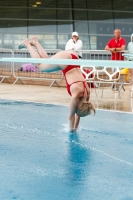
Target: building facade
x,y
53,21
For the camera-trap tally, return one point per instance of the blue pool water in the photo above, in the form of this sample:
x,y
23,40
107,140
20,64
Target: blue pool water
x,y
41,160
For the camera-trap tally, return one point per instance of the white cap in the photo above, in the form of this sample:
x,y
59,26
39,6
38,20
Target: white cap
x,y
75,33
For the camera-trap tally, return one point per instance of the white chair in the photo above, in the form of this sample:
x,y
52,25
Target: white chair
x,y
110,78
89,76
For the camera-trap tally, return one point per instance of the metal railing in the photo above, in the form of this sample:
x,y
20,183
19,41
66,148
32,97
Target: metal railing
x,y
104,55
19,75
96,54
6,68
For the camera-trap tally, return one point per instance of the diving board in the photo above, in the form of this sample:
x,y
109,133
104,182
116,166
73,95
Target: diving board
x,y
97,63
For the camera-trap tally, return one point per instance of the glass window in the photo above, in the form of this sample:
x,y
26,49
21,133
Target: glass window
x,y
100,4
64,27
42,4
35,13
50,41
42,27
53,21
123,17
62,40
11,41
93,42
64,14
100,22
80,15
64,4
100,16
101,41
86,41
81,4
81,27
9,12
105,28
9,26
8,41
92,27
16,3
1,40
123,5
40,37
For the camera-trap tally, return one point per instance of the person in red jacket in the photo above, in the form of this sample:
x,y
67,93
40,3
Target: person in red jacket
x,y
115,46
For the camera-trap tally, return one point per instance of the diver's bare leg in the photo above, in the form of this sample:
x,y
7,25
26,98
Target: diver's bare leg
x,y
34,42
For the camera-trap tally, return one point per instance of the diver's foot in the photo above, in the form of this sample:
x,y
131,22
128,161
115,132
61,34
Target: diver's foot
x,y
23,44
33,41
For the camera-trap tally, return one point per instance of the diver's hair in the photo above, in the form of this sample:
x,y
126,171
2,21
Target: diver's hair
x,y
85,109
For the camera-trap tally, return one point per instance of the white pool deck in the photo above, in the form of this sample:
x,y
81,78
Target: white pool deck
x,y
59,96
